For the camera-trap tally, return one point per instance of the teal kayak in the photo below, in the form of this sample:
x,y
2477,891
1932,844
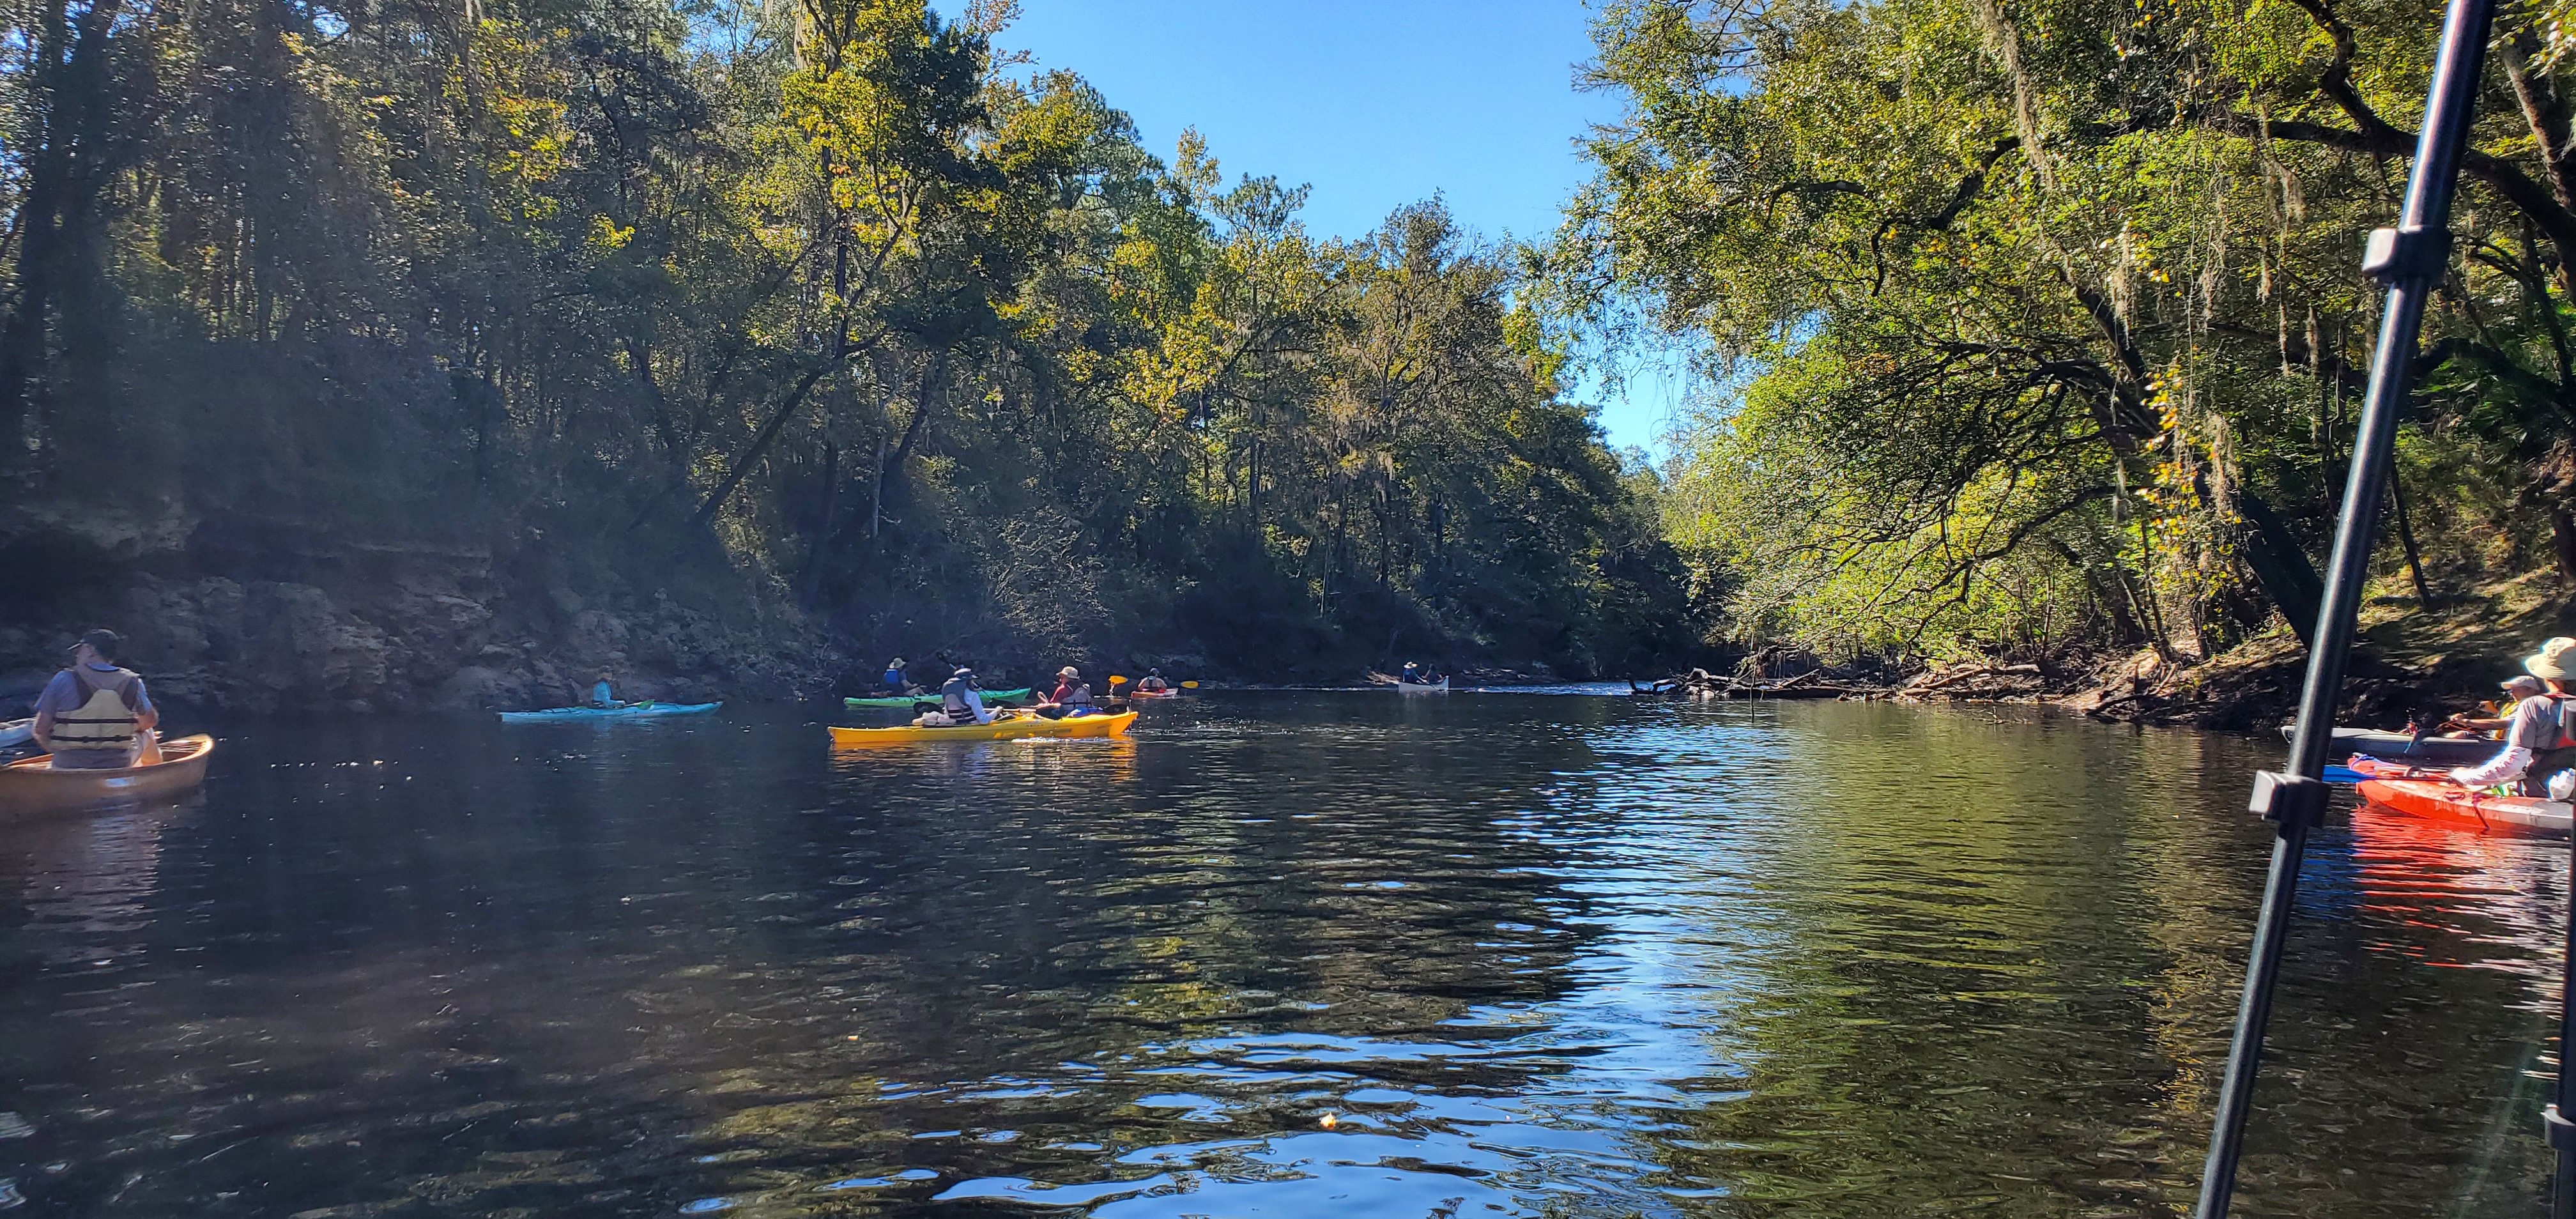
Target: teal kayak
x,y
632,711
990,696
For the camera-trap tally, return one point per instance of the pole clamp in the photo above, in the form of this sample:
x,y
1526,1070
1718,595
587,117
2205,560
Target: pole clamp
x,y
2291,800
2412,252
2562,1133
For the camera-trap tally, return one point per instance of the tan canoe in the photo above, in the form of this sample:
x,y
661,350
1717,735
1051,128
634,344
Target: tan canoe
x,y
34,785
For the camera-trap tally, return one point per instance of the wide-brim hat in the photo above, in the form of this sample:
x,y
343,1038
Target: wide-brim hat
x,y
2551,664
1068,671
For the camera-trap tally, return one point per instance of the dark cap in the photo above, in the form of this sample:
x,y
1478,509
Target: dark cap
x,y
102,639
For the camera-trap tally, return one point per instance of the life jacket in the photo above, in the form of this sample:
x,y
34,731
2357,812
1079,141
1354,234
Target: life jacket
x,y
2560,737
952,697
1153,685
105,718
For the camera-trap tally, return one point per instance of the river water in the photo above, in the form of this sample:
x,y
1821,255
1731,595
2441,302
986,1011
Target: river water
x,y
1295,954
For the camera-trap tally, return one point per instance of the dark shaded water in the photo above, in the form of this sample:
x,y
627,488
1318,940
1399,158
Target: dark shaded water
x,y
1532,955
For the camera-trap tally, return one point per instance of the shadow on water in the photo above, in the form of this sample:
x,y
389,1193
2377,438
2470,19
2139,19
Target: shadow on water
x,y
1285,953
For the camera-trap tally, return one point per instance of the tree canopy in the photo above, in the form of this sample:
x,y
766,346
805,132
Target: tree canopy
x,y
2047,317
826,296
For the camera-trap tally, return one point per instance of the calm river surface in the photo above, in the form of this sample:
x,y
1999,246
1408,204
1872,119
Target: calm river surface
x,y
1530,955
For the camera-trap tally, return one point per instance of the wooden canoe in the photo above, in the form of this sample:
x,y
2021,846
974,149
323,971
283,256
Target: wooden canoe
x,y
35,786
1016,727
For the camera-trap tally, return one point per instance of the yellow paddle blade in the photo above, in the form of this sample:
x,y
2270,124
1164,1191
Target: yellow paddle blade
x,y
1116,680
1189,685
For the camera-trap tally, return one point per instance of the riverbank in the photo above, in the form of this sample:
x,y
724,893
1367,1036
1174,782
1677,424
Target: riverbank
x,y
2411,662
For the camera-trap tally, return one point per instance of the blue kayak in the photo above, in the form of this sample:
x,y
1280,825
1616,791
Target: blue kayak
x,y
632,711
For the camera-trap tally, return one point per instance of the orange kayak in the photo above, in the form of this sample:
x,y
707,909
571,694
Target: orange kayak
x,y
2451,802
34,785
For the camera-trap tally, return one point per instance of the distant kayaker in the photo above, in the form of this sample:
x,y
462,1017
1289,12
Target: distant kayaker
x,y
604,694
1153,683
94,715
895,682
1412,675
2517,689
961,700
2537,743
1071,696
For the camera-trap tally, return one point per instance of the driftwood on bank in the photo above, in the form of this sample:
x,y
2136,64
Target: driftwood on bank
x,y
1976,682
1700,685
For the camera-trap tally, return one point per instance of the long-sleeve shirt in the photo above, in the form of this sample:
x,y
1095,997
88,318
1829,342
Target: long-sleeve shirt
x,y
2533,728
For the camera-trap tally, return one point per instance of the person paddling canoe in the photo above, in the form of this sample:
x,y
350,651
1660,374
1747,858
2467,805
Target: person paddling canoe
x,y
95,715
2537,741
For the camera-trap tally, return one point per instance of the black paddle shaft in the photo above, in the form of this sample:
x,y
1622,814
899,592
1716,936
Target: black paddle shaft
x,y
2410,260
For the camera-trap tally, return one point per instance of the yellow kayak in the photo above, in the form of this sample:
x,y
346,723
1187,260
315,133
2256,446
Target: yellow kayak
x,y
1010,728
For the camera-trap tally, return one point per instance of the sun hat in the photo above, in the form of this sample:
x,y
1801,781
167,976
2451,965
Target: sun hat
x,y
2551,664
1068,671
2522,684
895,663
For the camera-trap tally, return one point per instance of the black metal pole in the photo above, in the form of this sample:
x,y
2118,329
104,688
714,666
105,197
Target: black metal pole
x,y
2562,1134
2409,259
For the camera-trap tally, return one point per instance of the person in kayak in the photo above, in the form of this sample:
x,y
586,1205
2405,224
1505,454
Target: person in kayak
x,y
95,715
896,684
962,700
2537,743
1070,697
1153,683
2471,727
604,693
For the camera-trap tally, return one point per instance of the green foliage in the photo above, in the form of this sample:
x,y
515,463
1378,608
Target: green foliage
x,y
818,293
2047,315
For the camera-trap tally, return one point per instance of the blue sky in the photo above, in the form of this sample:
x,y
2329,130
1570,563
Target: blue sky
x,y
1375,105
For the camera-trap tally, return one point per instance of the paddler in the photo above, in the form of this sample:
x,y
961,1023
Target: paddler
x,y
1412,675
962,700
604,693
1070,697
1153,683
2469,727
896,683
94,715
2537,744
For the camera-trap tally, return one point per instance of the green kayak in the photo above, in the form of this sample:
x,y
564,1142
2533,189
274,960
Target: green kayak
x,y
990,696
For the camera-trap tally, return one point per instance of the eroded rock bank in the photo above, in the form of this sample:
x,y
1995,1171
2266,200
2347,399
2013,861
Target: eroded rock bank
x,y
371,628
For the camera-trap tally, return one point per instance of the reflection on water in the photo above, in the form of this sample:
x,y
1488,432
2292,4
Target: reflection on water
x,y
1334,954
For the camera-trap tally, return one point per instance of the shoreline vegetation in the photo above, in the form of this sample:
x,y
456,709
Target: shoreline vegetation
x,y
396,359
390,358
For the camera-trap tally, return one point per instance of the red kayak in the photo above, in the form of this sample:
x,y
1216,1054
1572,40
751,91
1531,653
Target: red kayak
x,y
2428,793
